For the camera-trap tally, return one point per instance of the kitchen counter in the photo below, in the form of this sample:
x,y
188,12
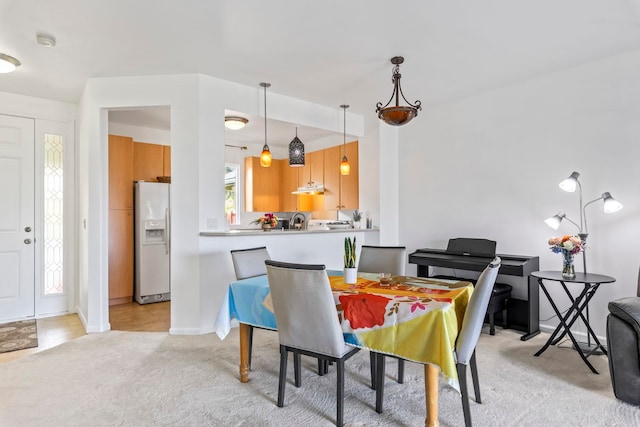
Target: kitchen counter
x,y
282,232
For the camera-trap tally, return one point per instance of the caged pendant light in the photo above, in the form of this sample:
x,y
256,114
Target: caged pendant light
x,y
265,156
296,152
345,169
397,115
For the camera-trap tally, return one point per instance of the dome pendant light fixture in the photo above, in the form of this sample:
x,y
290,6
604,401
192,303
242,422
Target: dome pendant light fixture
x,y
345,169
265,157
235,123
397,115
296,152
8,63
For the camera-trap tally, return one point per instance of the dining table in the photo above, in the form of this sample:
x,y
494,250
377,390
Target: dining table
x,y
413,318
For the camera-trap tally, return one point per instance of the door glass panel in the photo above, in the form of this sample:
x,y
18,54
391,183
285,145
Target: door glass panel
x,y
53,214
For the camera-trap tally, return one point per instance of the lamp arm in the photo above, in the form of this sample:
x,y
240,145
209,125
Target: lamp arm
x,y
581,208
577,226
584,212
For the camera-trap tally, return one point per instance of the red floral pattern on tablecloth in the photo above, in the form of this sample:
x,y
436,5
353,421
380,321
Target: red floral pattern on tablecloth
x,y
364,310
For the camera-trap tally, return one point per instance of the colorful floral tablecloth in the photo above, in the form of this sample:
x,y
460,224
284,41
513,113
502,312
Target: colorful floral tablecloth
x,y
414,318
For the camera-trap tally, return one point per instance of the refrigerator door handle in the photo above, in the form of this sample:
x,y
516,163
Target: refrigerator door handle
x,y
167,240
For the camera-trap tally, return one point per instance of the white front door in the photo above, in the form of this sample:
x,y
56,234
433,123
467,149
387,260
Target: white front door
x,y
17,254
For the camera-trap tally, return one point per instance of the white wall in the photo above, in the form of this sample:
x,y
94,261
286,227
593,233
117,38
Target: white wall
x,y
141,133
489,166
197,106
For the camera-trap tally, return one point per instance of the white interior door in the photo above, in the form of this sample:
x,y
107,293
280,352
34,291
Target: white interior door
x,y
17,254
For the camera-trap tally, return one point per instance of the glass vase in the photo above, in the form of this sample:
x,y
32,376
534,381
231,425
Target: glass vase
x,y
568,270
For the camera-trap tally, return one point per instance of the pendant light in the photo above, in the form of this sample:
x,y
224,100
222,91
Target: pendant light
x,y
265,157
397,115
345,169
296,152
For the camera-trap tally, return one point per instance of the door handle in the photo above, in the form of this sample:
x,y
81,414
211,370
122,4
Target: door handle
x,y
27,229
27,241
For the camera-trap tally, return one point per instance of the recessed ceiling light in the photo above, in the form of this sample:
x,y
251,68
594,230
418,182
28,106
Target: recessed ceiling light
x,y
8,63
46,40
235,123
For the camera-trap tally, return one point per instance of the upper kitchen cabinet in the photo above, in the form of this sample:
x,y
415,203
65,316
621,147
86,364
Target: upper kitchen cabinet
x,y
341,191
312,173
120,172
166,157
262,185
288,184
148,161
350,184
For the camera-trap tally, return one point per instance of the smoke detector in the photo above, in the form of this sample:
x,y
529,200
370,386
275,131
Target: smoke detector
x,y
46,40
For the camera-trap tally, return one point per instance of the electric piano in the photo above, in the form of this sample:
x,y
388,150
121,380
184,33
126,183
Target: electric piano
x,y
523,315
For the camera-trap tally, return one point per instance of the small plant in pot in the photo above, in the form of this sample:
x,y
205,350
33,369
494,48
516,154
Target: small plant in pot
x,y
357,217
350,270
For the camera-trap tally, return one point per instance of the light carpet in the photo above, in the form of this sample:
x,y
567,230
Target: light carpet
x,y
18,335
154,379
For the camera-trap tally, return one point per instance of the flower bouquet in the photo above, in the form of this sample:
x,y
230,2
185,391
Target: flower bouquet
x,y
268,221
568,246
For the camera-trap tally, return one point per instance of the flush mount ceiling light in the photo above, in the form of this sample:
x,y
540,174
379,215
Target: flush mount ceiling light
x,y
235,123
296,152
345,168
265,156
8,63
397,115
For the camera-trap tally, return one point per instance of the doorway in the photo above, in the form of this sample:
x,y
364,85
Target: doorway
x,y
139,150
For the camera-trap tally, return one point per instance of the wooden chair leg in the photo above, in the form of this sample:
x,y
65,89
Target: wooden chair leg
x,y
282,380
340,393
474,376
400,371
462,378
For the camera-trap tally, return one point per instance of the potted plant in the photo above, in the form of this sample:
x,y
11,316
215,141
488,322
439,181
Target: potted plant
x,y
268,221
350,270
357,217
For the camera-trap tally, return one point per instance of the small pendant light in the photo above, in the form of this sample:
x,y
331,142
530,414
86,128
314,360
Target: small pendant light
x,y
296,152
345,169
265,157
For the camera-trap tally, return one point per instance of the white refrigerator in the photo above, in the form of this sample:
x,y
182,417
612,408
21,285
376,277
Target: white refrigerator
x,y
152,242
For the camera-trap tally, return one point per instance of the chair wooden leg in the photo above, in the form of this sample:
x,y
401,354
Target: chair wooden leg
x,y
380,365
400,371
474,376
462,378
340,393
297,362
250,344
372,363
282,380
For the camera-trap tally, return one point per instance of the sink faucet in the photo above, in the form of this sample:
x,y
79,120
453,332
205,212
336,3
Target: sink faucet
x,y
298,218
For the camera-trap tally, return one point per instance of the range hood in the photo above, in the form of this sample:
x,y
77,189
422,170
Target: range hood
x,y
310,189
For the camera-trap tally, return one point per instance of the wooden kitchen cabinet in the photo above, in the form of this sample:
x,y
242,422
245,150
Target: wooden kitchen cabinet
x,y
312,173
288,183
350,184
341,191
120,256
166,160
148,161
262,186
120,172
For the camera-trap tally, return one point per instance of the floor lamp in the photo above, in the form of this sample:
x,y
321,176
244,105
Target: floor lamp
x,y
610,205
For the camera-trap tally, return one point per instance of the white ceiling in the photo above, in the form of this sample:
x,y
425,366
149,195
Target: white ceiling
x,y
329,52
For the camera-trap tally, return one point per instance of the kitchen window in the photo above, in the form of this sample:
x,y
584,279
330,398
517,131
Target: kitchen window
x,y
231,194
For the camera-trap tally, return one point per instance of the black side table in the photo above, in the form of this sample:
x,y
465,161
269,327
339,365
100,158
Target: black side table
x,y
591,284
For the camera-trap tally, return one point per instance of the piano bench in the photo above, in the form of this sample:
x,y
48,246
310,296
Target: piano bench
x,y
499,301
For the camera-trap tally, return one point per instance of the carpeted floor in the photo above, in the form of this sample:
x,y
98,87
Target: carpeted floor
x,y
154,379
18,335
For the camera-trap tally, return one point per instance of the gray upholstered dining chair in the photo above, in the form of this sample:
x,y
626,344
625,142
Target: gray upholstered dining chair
x,y
307,322
383,259
465,348
250,263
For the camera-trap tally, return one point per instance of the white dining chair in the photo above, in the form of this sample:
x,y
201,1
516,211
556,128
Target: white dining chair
x,y
465,348
383,259
307,322
249,263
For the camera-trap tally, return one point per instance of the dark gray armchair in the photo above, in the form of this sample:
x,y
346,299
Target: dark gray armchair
x,y
623,340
